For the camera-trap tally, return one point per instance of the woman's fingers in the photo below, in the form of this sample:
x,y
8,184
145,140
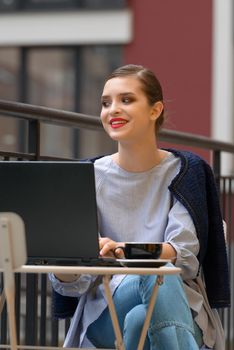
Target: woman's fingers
x,y
119,252
103,241
106,246
109,247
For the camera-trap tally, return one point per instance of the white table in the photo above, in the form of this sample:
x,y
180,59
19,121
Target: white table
x,y
12,259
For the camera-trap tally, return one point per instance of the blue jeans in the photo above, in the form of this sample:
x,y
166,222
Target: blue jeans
x,y
171,326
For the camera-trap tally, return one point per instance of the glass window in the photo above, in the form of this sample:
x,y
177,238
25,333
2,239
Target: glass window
x,y
97,63
9,5
50,4
104,4
9,75
66,78
71,79
55,5
51,84
51,77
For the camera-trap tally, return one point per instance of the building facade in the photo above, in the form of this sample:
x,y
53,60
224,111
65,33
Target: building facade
x,y
57,54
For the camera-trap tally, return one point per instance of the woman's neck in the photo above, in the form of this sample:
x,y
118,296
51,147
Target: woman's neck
x,y
138,158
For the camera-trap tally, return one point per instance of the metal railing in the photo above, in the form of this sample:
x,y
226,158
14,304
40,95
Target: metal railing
x,y
33,293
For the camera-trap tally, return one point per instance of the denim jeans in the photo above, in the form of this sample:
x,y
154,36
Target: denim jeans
x,y
171,326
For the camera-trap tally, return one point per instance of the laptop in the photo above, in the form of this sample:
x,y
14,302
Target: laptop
x,y
57,202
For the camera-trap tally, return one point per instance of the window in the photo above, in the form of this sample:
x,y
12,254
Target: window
x,y
9,73
51,74
9,79
55,5
97,63
68,78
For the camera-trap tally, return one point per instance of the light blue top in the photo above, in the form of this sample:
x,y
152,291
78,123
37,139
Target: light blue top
x,y
150,216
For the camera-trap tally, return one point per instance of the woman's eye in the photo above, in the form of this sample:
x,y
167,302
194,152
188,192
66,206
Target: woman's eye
x,y
126,100
105,104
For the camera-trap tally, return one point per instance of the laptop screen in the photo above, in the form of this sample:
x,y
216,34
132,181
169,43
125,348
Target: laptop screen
x,y
57,202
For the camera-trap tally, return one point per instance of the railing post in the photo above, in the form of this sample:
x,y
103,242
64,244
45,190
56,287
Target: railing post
x,y
54,332
31,309
43,323
32,280
217,166
22,96
34,134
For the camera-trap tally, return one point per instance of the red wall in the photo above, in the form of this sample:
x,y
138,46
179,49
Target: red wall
x,y
173,38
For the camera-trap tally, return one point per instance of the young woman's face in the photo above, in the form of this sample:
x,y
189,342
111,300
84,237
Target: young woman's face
x,y
126,114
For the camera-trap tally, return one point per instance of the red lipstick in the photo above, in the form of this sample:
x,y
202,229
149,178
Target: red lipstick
x,y
117,122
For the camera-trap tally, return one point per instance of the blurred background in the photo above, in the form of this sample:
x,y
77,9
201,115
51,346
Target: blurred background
x,y
57,53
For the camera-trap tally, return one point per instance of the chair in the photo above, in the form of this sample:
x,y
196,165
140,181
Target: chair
x,y
12,256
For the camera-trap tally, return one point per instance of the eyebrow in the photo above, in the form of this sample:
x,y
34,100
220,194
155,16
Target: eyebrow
x,y
121,94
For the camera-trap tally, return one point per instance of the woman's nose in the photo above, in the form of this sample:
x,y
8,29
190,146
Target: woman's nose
x,y
115,108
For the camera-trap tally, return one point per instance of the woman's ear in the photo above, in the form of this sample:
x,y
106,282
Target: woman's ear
x,y
157,109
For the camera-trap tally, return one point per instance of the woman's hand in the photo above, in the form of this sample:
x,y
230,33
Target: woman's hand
x,y
168,252
109,248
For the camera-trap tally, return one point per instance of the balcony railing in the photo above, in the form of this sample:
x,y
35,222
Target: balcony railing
x,y
33,293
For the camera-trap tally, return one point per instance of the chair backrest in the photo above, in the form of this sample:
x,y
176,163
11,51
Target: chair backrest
x,y
12,240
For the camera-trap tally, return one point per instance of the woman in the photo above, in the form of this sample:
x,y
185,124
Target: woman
x,y
148,194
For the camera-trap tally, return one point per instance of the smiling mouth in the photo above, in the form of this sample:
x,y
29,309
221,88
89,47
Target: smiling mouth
x,y
117,123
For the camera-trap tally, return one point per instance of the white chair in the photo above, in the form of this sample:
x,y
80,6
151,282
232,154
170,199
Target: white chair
x,y
12,256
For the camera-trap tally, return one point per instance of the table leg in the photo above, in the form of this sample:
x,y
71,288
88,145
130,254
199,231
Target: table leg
x,y
114,318
9,278
10,296
113,314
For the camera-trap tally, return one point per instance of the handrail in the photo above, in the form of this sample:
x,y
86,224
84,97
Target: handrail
x,y
31,150
49,115
79,120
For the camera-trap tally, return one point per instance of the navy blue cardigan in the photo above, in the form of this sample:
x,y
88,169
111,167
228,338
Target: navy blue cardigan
x,y
195,187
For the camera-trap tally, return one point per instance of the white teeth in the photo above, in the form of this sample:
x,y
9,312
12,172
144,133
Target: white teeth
x,y
119,122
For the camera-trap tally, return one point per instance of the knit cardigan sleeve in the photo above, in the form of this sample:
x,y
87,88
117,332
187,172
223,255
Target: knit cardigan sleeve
x,y
196,189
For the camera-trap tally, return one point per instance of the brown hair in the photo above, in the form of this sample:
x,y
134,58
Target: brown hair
x,y
150,85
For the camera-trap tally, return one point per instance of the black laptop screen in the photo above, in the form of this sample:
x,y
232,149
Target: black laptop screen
x,y
57,202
